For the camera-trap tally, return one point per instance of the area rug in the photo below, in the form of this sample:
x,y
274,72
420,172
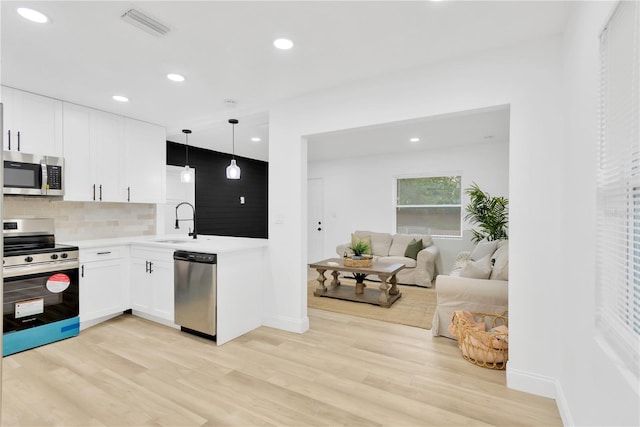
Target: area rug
x,y
414,308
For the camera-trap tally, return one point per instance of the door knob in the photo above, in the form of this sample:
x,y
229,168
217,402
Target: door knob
x,y
319,229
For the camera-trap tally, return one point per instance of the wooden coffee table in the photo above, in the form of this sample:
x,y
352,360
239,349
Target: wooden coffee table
x,y
384,296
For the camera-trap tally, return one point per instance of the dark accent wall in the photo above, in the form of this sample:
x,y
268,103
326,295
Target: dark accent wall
x,y
218,207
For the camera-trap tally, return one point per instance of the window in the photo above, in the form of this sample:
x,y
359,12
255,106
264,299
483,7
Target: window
x,y
429,205
618,186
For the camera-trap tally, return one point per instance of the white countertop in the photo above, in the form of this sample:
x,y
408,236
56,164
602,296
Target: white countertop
x,y
204,243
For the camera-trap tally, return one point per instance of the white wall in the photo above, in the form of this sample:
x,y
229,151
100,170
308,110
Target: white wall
x,y
525,77
358,193
592,391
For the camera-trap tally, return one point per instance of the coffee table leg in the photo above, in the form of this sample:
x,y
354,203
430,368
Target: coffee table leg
x,y
383,299
394,286
321,288
335,282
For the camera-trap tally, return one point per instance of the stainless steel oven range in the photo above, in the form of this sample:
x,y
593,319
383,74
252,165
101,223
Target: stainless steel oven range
x,y
41,286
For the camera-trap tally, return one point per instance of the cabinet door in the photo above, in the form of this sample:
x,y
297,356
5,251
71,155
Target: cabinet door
x,y
162,284
141,296
6,96
39,121
33,121
107,137
78,180
145,159
101,289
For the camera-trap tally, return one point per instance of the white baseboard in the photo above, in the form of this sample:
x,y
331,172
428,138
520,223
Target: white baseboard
x,y
89,323
563,406
531,383
155,319
289,324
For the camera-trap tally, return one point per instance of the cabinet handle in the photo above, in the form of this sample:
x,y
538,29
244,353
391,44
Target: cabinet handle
x,y
100,192
146,266
82,271
9,139
18,140
103,253
150,267
128,194
94,192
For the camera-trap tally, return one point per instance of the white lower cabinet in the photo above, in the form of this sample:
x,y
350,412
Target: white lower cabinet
x,y
104,282
152,283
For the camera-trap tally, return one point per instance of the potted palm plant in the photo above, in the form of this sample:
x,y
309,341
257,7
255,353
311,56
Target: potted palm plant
x,y
490,214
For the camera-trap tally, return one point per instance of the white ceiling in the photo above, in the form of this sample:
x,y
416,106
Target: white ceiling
x,y
87,53
488,125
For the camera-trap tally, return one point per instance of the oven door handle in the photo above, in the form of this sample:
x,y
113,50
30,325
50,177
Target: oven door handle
x,y
42,267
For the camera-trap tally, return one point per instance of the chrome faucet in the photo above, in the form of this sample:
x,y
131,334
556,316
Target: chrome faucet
x,y
194,234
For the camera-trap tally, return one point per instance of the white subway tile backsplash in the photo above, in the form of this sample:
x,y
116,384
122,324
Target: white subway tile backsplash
x,y
85,220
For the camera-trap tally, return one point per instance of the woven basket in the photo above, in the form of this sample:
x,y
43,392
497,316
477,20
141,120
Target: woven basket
x,y
482,348
358,263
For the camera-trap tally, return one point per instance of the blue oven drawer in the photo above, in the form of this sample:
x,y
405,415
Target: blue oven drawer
x,y
14,342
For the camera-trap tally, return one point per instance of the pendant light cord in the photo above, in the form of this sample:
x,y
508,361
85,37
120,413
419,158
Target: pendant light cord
x,y
186,147
187,150
233,138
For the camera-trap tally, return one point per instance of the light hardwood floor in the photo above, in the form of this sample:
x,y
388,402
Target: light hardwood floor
x,y
343,371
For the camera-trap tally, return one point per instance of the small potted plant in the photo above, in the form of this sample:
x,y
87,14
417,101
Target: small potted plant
x,y
359,249
361,255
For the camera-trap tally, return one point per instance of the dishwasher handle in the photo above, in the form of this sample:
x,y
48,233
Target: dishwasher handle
x,y
199,257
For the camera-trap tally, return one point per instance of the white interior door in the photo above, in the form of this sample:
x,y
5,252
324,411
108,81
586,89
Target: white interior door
x,y
315,219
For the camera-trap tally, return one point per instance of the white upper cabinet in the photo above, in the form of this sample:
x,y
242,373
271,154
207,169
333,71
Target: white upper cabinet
x,y
145,159
93,150
32,123
111,158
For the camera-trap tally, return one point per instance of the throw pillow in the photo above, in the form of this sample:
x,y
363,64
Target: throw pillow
x,y
484,248
480,269
365,239
413,248
500,259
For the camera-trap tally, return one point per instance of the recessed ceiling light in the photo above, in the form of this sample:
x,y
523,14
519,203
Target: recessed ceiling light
x,y
120,98
175,77
32,15
255,139
283,44
414,140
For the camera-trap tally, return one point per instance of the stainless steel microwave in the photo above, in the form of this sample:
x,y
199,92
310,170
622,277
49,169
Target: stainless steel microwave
x,y
33,175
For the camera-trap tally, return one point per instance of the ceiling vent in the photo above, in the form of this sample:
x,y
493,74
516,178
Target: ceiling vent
x,y
145,23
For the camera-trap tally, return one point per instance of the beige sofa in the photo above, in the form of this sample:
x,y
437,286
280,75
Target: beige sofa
x,y
390,249
486,290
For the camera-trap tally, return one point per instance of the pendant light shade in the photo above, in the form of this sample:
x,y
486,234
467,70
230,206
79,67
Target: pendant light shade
x,y
186,176
233,170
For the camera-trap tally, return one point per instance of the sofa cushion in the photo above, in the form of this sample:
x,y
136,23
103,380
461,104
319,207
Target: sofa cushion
x,y
484,248
380,242
500,259
480,269
413,248
408,262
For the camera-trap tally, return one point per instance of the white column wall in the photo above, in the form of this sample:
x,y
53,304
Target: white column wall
x,y
591,389
527,78
359,192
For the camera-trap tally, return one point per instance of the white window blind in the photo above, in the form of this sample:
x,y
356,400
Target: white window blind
x,y
618,186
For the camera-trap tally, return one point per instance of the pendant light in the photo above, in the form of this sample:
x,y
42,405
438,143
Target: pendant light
x,y
186,175
233,170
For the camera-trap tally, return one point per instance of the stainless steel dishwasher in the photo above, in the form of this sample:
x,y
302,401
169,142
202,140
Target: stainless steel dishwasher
x,y
195,289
